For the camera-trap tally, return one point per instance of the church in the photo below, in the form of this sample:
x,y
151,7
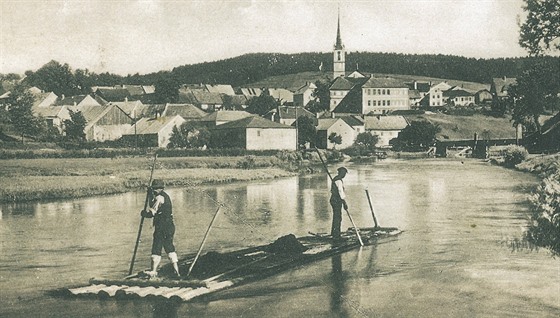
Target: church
x,y
360,93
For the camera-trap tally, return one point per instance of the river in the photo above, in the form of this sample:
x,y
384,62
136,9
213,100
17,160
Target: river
x,y
455,258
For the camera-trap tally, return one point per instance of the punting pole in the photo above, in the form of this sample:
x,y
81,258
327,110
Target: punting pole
x,y
371,208
142,219
349,216
204,240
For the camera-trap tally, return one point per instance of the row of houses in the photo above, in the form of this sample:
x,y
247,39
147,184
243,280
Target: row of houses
x,y
152,124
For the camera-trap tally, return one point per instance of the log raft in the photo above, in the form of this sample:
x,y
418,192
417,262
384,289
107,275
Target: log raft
x,y
223,271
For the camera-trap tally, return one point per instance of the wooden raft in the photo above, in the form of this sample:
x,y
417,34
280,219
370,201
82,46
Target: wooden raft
x,y
243,266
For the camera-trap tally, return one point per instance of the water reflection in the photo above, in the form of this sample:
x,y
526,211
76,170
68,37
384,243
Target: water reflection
x,y
455,217
338,288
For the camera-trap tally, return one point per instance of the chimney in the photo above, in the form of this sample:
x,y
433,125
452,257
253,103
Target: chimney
x,y
504,78
62,97
415,84
126,99
332,115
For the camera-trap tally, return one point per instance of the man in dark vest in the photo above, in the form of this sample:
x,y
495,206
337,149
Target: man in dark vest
x,y
161,210
338,200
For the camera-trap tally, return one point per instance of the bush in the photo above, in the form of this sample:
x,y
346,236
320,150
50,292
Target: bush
x,y
247,162
545,228
514,155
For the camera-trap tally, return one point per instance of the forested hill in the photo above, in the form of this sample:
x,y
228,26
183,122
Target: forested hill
x,y
254,67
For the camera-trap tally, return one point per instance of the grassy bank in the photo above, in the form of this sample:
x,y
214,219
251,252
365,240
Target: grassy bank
x,y
545,226
44,179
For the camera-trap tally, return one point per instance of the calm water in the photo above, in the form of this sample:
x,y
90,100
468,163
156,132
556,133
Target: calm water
x,y
453,260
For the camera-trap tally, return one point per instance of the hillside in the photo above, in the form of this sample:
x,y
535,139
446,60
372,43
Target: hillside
x,y
256,67
464,127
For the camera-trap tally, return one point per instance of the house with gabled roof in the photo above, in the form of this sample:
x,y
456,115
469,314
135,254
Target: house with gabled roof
x,y
483,96
338,89
223,116
77,100
111,94
500,86
382,95
53,115
282,95
458,97
220,89
153,132
356,122
189,112
327,126
435,98
385,127
254,133
304,94
287,114
249,92
43,99
201,98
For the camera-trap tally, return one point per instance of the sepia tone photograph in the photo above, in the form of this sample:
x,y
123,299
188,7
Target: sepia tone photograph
x,y
283,158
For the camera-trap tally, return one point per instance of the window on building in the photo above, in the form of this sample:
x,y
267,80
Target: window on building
x,y
383,92
369,102
383,103
388,92
388,103
338,54
378,92
369,91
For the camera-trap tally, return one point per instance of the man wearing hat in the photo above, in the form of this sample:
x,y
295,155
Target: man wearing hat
x,y
338,200
161,210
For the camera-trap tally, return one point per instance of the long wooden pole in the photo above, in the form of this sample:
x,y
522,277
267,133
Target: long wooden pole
x,y
203,240
348,213
371,208
142,219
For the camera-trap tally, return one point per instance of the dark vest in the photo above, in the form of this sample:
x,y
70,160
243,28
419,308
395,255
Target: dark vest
x,y
335,195
165,212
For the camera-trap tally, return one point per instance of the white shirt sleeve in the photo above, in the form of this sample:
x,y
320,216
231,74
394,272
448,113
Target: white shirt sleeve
x,y
157,203
340,187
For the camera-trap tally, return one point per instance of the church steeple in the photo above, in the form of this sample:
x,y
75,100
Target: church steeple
x,y
339,53
338,45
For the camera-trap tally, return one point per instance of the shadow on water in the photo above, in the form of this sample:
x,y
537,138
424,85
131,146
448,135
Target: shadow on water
x,y
338,287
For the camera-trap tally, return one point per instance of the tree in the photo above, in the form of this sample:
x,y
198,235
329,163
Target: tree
x,y
166,90
535,93
418,136
74,127
322,98
189,135
21,119
335,139
366,140
262,104
54,77
540,32
306,130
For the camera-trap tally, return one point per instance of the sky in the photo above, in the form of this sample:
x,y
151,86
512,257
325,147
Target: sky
x,y
143,36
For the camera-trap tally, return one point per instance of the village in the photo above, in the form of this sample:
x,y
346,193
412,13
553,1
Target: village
x,y
358,102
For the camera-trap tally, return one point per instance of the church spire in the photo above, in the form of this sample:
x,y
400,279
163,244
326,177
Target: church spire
x,y
338,45
339,53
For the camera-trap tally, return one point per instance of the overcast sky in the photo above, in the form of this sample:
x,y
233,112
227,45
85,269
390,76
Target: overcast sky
x,y
129,36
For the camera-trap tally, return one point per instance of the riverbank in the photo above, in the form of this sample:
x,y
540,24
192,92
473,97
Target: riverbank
x,y
544,230
47,179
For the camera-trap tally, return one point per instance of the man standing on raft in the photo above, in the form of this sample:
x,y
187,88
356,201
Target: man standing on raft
x,y
337,201
161,210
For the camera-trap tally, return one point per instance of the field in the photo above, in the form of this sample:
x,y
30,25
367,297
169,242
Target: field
x,y
43,179
464,127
